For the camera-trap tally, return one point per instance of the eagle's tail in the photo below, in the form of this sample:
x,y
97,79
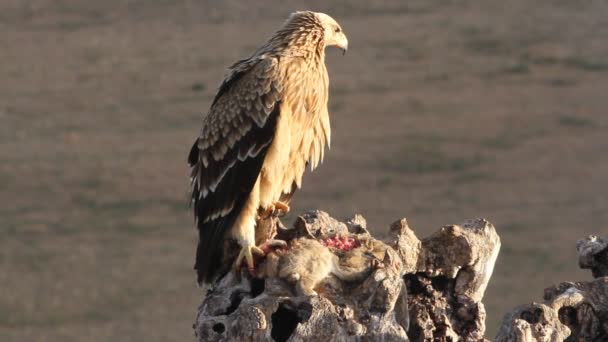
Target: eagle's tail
x,y
210,263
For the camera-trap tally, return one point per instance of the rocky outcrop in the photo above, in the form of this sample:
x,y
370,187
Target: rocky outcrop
x,y
570,311
426,289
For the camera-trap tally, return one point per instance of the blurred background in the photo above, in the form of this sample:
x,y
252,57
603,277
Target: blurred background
x,y
442,111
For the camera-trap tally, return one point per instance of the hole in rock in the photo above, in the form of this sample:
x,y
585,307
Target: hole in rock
x,y
284,322
532,317
415,333
440,283
419,283
235,301
567,315
219,328
257,287
413,284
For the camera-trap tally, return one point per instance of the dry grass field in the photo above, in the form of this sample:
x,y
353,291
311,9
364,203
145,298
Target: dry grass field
x,y
442,111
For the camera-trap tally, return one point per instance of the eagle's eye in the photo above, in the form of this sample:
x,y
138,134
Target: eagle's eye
x,y
337,29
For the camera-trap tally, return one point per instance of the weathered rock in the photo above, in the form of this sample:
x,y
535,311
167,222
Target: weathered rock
x,y
533,322
571,311
593,255
446,275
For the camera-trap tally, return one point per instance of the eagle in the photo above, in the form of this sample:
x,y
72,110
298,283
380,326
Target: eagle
x,y
268,122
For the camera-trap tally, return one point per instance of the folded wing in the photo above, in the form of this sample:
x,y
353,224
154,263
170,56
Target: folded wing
x,y
227,157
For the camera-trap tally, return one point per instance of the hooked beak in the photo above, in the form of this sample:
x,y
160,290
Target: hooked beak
x,y
344,47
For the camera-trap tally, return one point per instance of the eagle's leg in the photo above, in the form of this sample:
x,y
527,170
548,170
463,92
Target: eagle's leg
x,y
244,231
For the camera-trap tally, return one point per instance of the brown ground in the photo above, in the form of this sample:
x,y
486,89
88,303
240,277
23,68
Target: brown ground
x,y
442,110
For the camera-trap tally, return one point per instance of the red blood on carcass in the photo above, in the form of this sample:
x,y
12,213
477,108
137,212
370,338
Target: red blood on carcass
x,y
345,243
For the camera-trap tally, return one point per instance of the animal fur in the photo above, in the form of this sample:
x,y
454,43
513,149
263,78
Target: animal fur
x,y
307,262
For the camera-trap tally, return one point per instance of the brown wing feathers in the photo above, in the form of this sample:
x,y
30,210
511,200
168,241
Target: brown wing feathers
x,y
217,211
228,156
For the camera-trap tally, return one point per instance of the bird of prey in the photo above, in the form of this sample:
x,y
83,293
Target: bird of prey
x,y
267,122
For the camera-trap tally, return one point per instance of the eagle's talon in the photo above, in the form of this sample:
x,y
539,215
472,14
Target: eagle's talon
x,y
281,208
277,209
246,254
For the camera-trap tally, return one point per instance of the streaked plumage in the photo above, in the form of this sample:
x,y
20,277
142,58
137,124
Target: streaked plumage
x,y
268,121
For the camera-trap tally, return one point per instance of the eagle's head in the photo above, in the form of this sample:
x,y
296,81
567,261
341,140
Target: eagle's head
x,y
333,34
308,28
